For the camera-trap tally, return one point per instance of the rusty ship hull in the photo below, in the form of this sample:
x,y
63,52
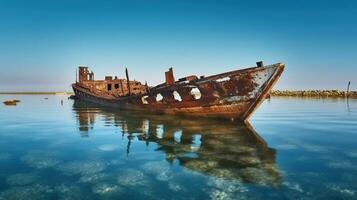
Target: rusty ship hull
x,y
232,95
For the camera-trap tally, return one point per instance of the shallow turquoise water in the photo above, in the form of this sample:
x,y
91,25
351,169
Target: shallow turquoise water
x,y
293,149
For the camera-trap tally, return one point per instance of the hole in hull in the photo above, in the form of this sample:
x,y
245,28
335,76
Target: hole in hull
x,y
159,97
195,92
144,99
177,96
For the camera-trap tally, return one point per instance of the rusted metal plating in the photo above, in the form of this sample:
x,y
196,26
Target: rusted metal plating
x,y
233,95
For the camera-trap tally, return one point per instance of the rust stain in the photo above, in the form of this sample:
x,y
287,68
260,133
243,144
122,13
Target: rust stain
x,y
233,95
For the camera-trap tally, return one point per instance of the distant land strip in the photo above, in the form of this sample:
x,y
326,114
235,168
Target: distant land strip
x,y
314,93
39,93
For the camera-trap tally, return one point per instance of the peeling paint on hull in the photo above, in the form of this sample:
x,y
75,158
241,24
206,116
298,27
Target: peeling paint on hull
x,y
232,95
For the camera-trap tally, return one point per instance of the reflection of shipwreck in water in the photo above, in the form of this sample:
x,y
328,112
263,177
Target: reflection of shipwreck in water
x,y
212,147
232,95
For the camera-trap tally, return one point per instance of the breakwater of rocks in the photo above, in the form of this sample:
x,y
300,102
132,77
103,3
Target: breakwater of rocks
x,y
314,93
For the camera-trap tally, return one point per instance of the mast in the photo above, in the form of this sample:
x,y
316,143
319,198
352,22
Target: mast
x,y
146,87
127,80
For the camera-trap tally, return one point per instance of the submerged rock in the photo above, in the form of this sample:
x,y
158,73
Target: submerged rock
x,y
159,169
92,178
40,160
342,190
175,187
315,148
69,192
106,189
82,167
220,195
33,192
229,186
131,177
116,162
21,179
293,186
342,164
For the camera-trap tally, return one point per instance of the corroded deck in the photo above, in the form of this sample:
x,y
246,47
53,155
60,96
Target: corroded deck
x,y
233,95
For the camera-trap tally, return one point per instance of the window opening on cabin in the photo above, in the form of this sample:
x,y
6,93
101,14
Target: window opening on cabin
x,y
116,86
109,87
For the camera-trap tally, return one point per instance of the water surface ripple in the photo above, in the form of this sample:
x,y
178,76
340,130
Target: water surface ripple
x,y
293,148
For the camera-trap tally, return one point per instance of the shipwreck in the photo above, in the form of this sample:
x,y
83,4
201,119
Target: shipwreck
x,y
231,95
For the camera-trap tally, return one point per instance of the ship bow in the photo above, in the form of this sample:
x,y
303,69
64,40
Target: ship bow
x,y
264,80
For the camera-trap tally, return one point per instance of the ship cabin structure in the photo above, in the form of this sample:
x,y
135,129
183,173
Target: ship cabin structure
x,y
109,87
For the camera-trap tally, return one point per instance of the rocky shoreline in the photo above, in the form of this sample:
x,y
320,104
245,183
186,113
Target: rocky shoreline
x,y
314,93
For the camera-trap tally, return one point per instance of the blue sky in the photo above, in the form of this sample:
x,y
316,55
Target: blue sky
x,y
42,42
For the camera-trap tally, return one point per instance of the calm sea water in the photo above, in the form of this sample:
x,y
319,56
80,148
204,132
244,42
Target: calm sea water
x,y
293,149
